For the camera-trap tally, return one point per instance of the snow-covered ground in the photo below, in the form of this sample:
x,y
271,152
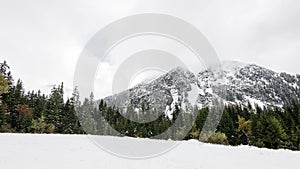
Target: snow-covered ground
x,y
32,151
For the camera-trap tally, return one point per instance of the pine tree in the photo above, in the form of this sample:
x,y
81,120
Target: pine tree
x,y
69,122
54,108
268,132
229,125
24,118
14,100
86,114
201,118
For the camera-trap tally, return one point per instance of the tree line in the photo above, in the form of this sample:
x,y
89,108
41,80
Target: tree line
x,y
35,112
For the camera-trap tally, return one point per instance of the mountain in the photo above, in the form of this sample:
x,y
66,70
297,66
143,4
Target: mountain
x,y
249,83
233,83
162,93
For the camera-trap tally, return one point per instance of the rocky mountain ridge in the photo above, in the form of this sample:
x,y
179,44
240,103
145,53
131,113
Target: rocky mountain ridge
x,y
233,83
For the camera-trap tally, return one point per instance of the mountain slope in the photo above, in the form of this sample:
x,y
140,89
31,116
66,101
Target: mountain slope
x,y
257,85
234,83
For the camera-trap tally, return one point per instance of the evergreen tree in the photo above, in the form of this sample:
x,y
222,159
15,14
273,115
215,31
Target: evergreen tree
x,y
55,107
23,118
268,132
229,126
86,114
201,118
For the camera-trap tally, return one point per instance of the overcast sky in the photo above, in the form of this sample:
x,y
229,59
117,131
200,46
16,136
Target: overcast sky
x,y
42,40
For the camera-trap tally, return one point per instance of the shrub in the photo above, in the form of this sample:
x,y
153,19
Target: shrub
x,y
218,138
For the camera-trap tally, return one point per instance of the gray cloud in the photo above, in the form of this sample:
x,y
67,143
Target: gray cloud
x,y
42,40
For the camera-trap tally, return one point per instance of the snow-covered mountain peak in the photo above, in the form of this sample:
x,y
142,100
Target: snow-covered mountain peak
x,y
234,83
